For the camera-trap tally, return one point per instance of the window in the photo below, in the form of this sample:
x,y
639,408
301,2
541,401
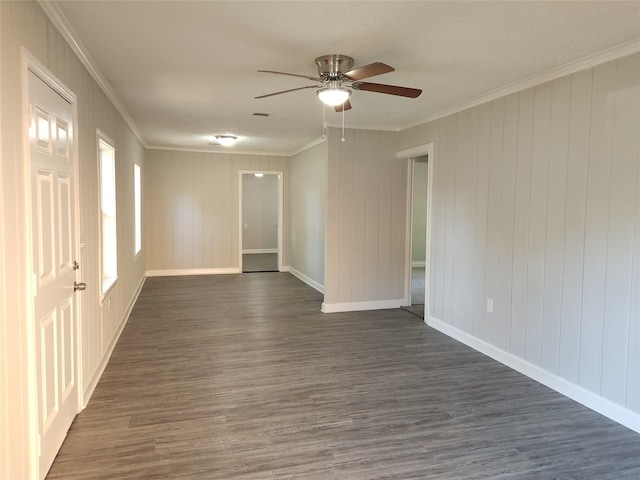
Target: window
x,y
137,214
109,243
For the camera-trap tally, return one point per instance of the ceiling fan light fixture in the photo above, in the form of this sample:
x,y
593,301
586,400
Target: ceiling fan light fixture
x,y
226,140
334,96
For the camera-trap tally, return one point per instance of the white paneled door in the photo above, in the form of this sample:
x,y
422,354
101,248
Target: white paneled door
x,y
53,238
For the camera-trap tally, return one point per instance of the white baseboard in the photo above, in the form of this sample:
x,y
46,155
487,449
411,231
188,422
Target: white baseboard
x,y
595,402
309,281
419,263
359,306
192,271
259,250
90,388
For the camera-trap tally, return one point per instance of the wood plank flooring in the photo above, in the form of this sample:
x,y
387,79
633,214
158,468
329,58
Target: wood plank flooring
x,y
259,262
242,377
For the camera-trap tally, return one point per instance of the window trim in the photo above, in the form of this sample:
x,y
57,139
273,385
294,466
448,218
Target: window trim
x,y
137,211
107,282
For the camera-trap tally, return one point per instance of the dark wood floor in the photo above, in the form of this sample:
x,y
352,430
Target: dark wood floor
x,y
259,262
241,377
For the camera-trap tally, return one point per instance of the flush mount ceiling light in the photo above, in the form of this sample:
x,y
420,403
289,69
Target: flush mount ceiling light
x,y
226,140
333,96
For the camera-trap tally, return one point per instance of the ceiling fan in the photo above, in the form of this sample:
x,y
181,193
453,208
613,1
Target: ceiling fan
x,y
337,76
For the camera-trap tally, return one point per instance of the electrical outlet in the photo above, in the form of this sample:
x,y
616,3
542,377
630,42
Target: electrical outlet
x,y
489,305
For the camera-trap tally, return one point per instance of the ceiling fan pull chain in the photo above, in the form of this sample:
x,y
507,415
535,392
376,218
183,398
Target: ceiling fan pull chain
x,y
343,139
324,124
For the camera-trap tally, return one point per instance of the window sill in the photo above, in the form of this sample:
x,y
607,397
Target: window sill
x,y
110,285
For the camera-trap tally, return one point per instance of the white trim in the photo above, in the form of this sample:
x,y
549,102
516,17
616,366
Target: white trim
x,y
575,392
408,232
219,151
178,272
307,146
584,63
137,188
361,306
251,251
410,154
364,126
108,281
52,10
309,281
279,250
107,354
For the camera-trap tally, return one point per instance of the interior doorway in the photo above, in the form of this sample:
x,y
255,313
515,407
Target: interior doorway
x,y
420,167
419,230
261,220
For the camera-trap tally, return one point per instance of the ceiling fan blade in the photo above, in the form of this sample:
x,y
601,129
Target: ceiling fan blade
x,y
345,106
367,71
287,91
315,79
388,89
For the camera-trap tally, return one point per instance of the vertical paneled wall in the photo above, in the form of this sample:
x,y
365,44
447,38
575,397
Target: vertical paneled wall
x,y
192,204
366,229
307,200
25,24
537,206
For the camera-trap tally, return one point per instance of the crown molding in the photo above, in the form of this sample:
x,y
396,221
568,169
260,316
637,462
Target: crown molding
x,y
590,61
361,126
307,146
55,14
219,152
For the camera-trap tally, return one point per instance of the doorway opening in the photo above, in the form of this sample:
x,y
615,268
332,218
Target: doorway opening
x,y
420,167
419,234
260,222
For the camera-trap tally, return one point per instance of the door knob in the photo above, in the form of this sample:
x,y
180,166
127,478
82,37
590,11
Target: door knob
x,y
79,286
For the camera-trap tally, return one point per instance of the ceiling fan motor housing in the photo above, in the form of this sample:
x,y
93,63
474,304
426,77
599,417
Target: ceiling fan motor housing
x,y
331,67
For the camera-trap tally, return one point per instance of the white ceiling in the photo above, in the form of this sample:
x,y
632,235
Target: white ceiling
x,y
187,70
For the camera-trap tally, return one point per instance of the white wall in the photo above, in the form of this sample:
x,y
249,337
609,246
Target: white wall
x,y
192,205
419,213
307,200
4,358
25,24
366,221
259,212
537,206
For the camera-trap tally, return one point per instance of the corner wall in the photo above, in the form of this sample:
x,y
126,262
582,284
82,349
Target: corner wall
x,y
308,207
537,206
366,222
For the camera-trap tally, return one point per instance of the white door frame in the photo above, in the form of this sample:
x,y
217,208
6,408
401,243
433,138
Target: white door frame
x,y
31,64
409,156
280,175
